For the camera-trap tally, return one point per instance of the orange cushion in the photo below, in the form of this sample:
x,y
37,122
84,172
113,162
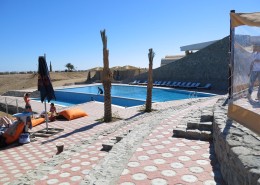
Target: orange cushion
x,y
71,114
12,138
37,121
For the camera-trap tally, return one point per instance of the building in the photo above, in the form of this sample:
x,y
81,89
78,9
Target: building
x,y
189,49
169,59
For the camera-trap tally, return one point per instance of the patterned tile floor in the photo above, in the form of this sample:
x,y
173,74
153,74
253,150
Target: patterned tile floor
x,y
160,159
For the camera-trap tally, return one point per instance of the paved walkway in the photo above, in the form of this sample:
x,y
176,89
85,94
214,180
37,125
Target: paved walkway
x,y
158,158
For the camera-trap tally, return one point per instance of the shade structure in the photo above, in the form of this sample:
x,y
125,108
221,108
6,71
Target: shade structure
x,y
44,81
244,51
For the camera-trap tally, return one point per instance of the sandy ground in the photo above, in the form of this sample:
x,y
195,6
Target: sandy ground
x,y
29,81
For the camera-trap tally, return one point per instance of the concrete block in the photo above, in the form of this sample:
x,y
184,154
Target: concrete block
x,y
193,134
192,125
179,132
205,126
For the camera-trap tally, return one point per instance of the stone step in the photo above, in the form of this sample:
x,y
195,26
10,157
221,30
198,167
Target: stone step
x,y
206,116
192,125
109,145
198,135
207,126
179,132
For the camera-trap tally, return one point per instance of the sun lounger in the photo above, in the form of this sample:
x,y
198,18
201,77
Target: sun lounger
x,y
163,83
187,85
143,83
155,82
207,86
134,82
170,84
196,85
158,83
182,84
177,84
137,82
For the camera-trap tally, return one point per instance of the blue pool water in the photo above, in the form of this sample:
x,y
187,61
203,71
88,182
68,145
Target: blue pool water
x,y
122,95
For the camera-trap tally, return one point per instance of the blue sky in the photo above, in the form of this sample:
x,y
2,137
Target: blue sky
x,y
68,31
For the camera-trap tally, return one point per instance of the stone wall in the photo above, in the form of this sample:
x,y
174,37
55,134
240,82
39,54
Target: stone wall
x,y
237,149
209,65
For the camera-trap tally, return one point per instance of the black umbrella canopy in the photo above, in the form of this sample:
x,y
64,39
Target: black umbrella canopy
x,y
44,81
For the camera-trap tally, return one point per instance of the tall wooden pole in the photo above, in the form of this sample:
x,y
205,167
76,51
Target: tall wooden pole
x,y
106,80
231,60
149,82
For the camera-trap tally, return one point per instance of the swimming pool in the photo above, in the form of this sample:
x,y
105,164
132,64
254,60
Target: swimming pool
x,y
122,95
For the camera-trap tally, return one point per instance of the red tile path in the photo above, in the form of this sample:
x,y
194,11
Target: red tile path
x,y
160,159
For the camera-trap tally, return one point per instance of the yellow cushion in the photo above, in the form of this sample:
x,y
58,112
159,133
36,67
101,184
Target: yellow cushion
x,y
71,114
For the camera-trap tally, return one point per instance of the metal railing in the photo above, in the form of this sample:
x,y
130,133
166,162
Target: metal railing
x,y
11,102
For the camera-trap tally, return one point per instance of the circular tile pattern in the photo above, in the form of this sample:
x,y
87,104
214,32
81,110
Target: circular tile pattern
x,y
168,173
76,168
165,133
75,160
184,158
143,158
167,155
146,144
54,171
196,169
206,155
85,163
84,156
201,142
65,166
139,176
150,168
166,142
52,181
159,161
176,165
173,149
75,178
65,174
153,140
5,179
151,152
159,147
196,147
160,136
85,172
159,181
127,183
94,158
125,172
189,178
133,164
202,162
180,144
209,182
190,152
64,183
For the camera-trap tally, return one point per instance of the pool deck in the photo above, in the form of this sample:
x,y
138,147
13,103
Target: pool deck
x,y
157,156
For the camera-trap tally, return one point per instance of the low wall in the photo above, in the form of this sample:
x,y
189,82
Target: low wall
x,y
237,149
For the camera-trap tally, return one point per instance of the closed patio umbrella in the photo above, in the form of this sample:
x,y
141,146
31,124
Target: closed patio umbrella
x,y
44,84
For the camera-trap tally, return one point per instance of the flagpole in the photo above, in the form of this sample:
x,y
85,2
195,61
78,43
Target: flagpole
x,y
45,106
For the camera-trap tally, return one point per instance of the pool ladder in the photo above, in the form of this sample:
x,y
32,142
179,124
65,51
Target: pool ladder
x,y
193,94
